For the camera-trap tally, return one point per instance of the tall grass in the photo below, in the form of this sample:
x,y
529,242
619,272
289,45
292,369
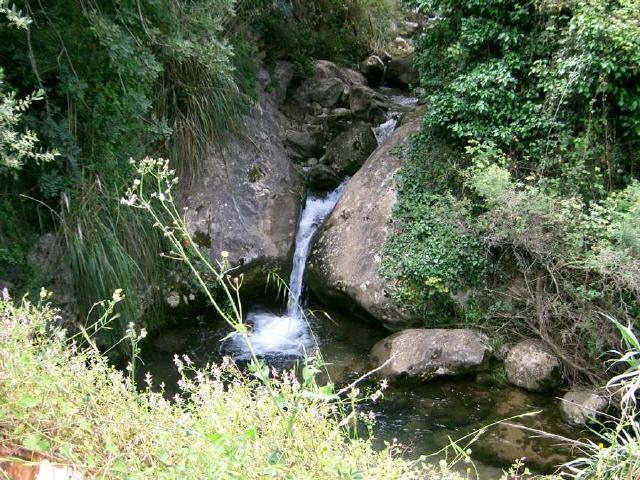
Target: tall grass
x,y
111,247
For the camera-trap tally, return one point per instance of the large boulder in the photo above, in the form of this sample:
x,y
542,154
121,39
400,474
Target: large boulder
x,y
424,354
401,70
247,200
344,264
581,405
349,150
530,365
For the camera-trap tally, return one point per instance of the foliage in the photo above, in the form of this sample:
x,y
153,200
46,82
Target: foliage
x,y
114,81
302,31
530,145
433,252
60,397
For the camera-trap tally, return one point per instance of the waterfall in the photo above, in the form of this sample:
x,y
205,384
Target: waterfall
x,y
315,212
288,335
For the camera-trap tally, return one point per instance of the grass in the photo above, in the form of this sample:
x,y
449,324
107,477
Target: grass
x,y
61,397
111,247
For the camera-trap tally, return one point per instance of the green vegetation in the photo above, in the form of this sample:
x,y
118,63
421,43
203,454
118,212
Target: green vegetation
x,y
529,149
87,86
63,398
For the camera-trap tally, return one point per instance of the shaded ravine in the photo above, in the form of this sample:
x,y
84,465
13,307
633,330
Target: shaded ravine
x,y
422,417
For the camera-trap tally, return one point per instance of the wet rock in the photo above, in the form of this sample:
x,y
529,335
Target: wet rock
x,y
425,354
322,177
532,366
401,71
349,150
582,405
373,68
247,199
344,264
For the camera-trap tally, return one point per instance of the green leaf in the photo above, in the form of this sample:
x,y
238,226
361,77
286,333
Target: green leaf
x,y
35,441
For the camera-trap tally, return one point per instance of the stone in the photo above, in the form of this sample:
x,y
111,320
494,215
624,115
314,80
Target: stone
x,y
401,71
322,177
530,365
349,150
246,202
581,406
425,354
302,144
373,68
367,104
281,80
344,264
53,273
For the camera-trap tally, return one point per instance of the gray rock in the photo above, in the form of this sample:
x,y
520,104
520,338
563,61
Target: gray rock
x,y
408,29
367,104
530,365
247,200
349,150
373,68
580,406
281,80
401,70
425,354
328,87
344,264
303,144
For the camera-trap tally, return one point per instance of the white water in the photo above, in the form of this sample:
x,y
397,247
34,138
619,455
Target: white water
x,y
383,131
288,335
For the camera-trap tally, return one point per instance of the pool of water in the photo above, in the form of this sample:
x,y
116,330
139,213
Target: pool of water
x,y
422,417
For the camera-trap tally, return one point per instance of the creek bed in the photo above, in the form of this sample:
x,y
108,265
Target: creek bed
x,y
422,417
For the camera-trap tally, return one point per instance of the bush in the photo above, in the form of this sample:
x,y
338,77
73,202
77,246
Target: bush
x,y
529,147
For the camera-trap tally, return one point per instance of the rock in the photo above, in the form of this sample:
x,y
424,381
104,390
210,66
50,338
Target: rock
x,y
322,177
326,69
344,264
281,80
373,68
530,365
580,406
53,273
408,29
302,145
246,202
401,71
349,150
328,87
367,104
173,299
425,354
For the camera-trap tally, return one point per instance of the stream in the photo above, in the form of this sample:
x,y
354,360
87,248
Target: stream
x,y
422,417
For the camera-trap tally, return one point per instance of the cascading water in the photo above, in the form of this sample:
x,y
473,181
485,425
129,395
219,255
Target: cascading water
x,y
383,131
288,335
